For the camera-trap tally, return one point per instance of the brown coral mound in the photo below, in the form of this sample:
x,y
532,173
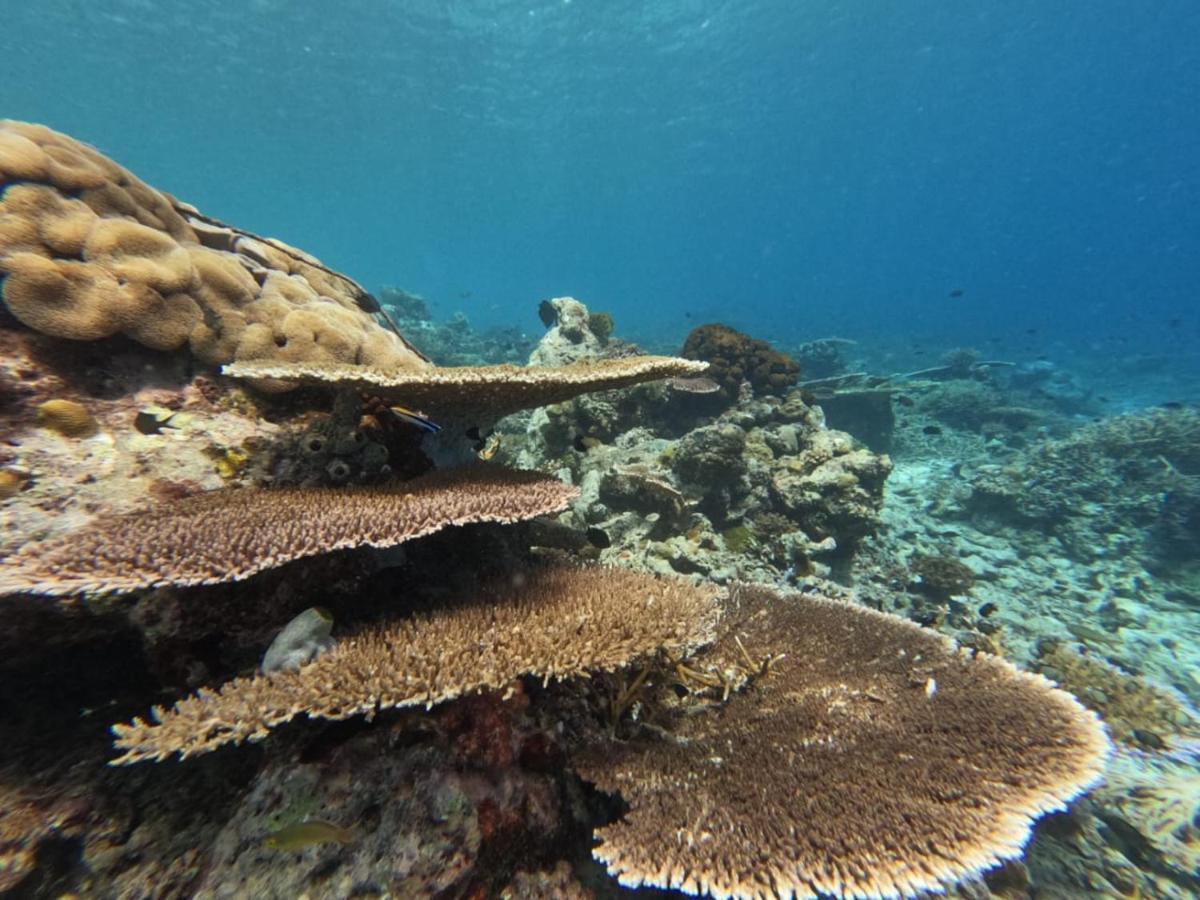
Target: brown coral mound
x,y
88,251
737,357
560,623
232,534
479,392
873,760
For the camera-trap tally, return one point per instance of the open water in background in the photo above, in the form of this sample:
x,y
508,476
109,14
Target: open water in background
x,y
797,169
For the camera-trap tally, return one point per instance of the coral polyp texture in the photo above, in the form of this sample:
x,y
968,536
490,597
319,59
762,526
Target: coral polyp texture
x,y
88,251
555,624
487,392
864,757
228,535
737,357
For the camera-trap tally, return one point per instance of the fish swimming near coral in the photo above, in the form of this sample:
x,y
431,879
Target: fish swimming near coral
x,y
302,835
489,448
412,417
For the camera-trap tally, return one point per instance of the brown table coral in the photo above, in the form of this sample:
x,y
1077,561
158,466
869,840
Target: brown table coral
x,y
228,535
858,755
556,624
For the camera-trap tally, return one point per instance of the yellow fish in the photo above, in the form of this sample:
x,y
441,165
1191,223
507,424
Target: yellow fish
x,y
489,447
302,835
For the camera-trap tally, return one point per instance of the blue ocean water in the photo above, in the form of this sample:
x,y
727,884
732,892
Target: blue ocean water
x,y
795,169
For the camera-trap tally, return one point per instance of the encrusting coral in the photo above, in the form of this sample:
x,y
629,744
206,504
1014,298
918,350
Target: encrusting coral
x,y
858,755
87,251
556,623
229,535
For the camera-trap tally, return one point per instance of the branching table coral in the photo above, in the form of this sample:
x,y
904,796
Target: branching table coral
x,y
857,755
559,623
232,534
482,393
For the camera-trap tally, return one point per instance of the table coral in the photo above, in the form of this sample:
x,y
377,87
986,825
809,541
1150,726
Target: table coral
x,y
854,755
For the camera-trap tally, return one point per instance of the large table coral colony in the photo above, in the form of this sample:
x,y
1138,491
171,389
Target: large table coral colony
x,y
838,750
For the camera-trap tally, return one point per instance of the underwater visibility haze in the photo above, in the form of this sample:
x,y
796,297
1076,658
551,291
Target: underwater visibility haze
x,y
599,449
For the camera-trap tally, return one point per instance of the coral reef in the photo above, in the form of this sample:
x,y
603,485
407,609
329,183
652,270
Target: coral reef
x,y
823,357
1115,476
998,527
454,342
759,490
485,392
1137,712
1151,804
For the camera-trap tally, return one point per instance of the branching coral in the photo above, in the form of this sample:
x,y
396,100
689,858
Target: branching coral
x,y
556,624
858,755
737,357
229,535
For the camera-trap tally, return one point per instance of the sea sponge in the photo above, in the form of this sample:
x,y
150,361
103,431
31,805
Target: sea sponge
x,y
67,417
88,251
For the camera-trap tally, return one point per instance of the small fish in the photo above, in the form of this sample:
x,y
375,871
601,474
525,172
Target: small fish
x,y
597,537
905,401
302,835
1171,404
368,303
957,292
420,420
489,448
931,430
153,419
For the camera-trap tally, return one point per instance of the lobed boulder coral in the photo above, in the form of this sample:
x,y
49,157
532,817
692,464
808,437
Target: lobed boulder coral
x,y
88,251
